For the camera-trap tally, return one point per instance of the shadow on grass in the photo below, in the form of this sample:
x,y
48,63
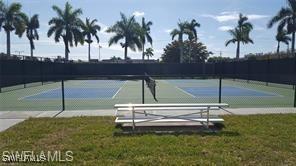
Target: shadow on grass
x,y
216,130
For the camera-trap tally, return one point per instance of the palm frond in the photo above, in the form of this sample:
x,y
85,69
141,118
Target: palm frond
x,y
58,11
230,41
292,4
174,33
114,39
283,13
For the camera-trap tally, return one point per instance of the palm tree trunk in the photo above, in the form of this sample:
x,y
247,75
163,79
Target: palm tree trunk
x,y
143,56
125,51
181,52
66,51
238,50
89,52
31,47
278,48
8,42
31,52
293,42
190,42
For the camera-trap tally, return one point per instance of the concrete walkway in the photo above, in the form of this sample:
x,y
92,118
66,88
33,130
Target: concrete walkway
x,y
10,118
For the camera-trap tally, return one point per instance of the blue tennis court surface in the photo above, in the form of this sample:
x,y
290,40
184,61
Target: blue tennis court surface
x,y
75,93
102,82
226,91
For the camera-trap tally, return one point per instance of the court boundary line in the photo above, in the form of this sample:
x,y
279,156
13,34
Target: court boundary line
x,y
175,86
273,95
185,92
116,93
119,90
46,91
269,94
22,98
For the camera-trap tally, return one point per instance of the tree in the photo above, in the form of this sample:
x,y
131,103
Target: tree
x,y
145,34
32,25
286,17
11,18
172,52
126,29
149,53
282,36
89,29
67,25
195,52
192,28
240,34
180,31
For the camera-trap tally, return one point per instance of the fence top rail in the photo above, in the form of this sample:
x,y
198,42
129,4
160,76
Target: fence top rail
x,y
174,105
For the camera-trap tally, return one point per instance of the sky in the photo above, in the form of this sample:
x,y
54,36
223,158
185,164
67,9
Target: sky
x,y
215,16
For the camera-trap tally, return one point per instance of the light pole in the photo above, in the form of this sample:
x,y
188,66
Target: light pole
x,y
19,52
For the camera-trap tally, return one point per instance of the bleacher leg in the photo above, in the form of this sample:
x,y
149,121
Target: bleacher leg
x,y
208,117
134,126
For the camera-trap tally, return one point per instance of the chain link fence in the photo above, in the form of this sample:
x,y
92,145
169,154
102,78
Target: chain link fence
x,y
93,93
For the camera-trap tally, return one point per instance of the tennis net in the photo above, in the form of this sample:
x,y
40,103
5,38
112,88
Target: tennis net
x,y
151,84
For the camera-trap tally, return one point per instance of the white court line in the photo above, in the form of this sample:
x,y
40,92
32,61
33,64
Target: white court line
x,y
118,90
260,91
22,98
185,92
116,93
167,82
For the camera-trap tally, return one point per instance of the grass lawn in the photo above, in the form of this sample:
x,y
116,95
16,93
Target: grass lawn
x,y
245,140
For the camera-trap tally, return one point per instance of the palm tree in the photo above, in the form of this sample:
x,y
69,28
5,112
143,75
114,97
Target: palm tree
x,y
11,18
192,27
145,34
286,17
193,36
67,25
128,30
180,31
32,25
282,36
90,28
149,53
240,34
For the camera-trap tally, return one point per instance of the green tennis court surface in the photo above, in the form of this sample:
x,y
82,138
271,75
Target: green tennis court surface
x,y
103,94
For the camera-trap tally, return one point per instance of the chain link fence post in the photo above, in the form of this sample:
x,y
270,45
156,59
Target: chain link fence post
x,y
63,96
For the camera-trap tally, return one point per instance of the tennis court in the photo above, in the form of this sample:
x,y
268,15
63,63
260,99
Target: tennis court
x,y
103,94
82,90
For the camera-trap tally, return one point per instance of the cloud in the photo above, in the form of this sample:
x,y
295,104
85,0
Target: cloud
x,y
138,14
212,37
168,30
259,28
257,16
225,28
104,28
231,16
